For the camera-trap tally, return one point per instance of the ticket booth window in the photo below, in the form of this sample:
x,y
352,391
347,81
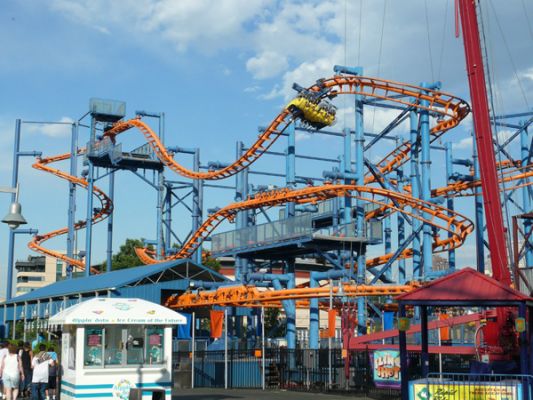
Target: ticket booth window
x,y
93,347
113,346
155,346
135,344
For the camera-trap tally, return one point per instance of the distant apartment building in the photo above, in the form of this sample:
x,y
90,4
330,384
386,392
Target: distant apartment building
x,y
38,271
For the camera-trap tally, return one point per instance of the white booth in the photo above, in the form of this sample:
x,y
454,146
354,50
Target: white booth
x,y
112,345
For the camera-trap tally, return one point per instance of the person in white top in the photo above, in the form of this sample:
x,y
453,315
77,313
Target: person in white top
x,y
3,352
39,382
11,369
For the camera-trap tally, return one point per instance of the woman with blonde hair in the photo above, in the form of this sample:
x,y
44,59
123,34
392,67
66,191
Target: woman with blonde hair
x,y
11,372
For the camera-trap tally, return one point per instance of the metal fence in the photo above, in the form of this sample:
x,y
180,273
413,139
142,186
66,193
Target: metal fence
x,y
305,370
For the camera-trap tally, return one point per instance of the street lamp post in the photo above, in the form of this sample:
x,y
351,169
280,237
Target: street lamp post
x,y
13,219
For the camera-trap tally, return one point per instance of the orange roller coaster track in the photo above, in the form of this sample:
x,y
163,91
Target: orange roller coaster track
x,y
440,217
450,111
251,296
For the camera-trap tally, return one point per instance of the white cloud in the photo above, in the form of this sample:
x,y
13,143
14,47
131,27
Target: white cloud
x,y
204,25
54,130
266,64
463,144
252,89
301,136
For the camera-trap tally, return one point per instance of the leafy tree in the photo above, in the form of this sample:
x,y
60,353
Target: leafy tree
x,y
273,325
126,256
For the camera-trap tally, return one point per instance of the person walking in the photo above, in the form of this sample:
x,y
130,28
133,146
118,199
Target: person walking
x,y
40,364
52,375
12,373
3,352
26,356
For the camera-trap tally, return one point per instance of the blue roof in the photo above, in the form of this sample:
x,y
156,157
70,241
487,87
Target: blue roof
x,y
114,279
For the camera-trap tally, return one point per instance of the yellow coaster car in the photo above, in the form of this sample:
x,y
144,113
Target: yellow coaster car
x,y
317,115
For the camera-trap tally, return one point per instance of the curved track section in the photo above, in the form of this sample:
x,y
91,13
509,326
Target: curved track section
x,y
441,218
448,109
106,208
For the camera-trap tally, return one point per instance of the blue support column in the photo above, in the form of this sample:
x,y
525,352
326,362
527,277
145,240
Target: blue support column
x,y
290,167
160,195
14,182
360,212
402,277
347,163
72,196
241,220
425,141
197,204
168,216
478,204
415,191
90,189
388,243
111,195
526,197
314,317
449,201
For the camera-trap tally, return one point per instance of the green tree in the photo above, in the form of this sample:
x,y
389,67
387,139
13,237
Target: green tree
x,y
273,325
126,256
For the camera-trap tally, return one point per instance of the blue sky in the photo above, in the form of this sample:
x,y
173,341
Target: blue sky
x,y
220,69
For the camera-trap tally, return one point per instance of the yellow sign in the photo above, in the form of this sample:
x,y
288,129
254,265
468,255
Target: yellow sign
x,y
465,391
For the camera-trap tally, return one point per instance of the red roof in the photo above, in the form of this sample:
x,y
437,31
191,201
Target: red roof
x,y
465,285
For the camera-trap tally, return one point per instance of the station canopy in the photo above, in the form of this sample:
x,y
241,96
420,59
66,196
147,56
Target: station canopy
x,y
117,311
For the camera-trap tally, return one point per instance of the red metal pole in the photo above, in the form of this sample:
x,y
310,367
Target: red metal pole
x,y
485,146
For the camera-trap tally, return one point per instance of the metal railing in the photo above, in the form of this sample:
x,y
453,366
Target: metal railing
x,y
277,232
301,370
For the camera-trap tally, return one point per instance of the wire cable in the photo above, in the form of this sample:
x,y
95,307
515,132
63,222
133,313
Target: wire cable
x,y
429,41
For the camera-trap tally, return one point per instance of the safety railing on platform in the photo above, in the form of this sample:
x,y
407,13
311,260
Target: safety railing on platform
x,y
278,232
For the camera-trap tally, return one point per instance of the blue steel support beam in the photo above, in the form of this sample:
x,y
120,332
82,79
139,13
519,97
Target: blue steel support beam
x,y
347,164
159,187
415,190
360,212
197,204
402,273
242,216
397,253
289,306
478,205
449,201
314,318
388,244
90,189
526,199
168,215
425,141
72,196
290,168
111,195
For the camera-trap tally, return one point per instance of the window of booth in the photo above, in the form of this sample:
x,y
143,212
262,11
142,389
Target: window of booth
x,y
93,347
155,345
115,346
135,344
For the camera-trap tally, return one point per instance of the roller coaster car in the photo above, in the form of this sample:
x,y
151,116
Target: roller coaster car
x,y
315,114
